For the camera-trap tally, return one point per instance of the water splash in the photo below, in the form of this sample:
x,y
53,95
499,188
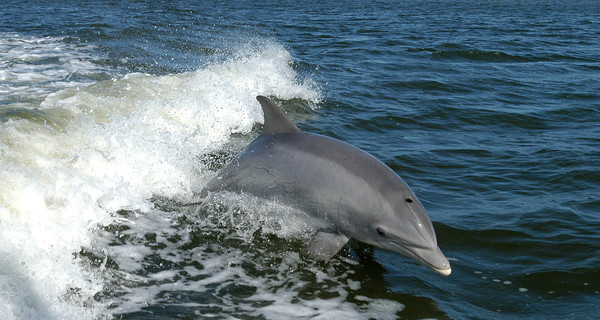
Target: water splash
x,y
88,152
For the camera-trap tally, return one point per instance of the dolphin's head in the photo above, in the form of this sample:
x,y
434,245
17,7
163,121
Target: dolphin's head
x,y
403,226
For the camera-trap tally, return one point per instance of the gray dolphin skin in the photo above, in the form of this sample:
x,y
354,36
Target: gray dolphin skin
x,y
346,192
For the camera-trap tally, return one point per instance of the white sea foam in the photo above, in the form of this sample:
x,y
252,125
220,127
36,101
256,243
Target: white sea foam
x,y
107,147
253,289
32,67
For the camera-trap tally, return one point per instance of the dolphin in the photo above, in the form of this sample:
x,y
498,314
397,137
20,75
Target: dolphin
x,y
346,192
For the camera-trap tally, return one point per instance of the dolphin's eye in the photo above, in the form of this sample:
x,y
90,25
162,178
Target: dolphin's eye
x,y
409,200
380,232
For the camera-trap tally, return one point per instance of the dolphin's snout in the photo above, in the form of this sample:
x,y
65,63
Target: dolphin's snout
x,y
434,259
445,272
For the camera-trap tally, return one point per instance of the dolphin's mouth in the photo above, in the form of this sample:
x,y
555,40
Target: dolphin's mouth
x,y
433,258
444,272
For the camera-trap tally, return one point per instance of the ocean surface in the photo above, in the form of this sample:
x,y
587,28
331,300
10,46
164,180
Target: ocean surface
x,y
115,114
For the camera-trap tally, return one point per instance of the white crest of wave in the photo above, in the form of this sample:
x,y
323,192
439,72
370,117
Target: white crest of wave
x,y
110,146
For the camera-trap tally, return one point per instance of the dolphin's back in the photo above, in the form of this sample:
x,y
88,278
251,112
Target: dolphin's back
x,y
311,172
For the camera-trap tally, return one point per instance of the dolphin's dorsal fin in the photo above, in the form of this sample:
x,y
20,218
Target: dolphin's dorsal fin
x,y
275,120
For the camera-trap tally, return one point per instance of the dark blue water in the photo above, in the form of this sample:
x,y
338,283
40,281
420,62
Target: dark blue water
x,y
490,110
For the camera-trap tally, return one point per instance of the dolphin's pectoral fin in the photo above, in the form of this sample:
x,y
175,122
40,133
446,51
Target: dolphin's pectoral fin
x,y
325,244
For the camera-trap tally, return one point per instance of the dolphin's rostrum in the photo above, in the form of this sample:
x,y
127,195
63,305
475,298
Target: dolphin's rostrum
x,y
346,192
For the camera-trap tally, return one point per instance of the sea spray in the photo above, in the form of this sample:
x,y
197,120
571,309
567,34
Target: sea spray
x,y
107,147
